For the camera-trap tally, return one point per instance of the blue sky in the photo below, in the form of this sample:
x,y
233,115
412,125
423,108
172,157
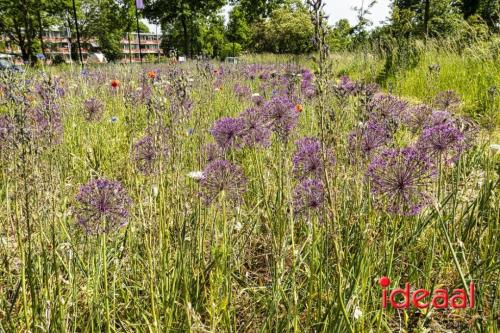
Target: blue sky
x,y
338,9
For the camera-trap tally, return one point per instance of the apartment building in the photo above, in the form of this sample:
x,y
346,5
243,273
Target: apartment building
x,y
60,42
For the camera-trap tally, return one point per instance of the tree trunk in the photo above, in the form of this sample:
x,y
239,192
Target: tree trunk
x,y
187,46
40,32
426,17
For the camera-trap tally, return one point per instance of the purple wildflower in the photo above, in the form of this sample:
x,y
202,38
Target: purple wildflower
x,y
93,109
447,100
254,130
444,141
258,100
309,195
227,132
102,206
400,179
45,126
416,116
367,139
6,132
145,155
308,160
211,152
281,115
307,86
387,107
346,86
222,176
438,118
241,91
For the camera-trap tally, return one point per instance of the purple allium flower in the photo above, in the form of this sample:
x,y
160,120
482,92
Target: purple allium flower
x,y
227,132
254,130
222,176
387,107
93,109
281,115
211,152
241,91
45,126
416,116
367,139
438,118
258,100
447,100
308,159
443,141
309,195
6,132
145,155
102,206
346,86
400,180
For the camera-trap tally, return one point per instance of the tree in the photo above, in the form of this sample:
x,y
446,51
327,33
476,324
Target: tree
x,y
288,30
169,13
238,29
340,35
257,10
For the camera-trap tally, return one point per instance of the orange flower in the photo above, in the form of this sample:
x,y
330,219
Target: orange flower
x,y
151,74
115,84
299,108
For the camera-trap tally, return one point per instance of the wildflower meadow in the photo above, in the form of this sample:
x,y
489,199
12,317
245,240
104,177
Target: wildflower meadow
x,y
270,195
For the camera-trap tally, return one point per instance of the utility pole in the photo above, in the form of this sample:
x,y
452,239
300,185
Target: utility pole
x,y
138,5
77,32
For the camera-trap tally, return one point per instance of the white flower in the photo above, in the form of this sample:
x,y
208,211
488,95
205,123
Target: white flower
x,y
154,190
495,148
190,80
357,313
238,226
256,95
197,175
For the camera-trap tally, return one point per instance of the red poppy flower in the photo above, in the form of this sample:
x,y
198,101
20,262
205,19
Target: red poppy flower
x,y
299,108
151,74
115,84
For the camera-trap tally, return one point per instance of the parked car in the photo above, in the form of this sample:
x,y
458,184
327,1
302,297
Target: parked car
x,y
7,65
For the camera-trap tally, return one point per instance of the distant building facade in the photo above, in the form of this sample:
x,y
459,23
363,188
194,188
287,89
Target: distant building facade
x,y
59,42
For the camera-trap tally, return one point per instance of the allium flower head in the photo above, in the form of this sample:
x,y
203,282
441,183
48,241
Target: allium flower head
x,y
227,132
365,140
254,130
447,100
416,116
281,115
222,176
445,141
346,86
102,206
241,91
211,152
146,155
308,160
400,180
93,109
387,107
309,195
45,126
